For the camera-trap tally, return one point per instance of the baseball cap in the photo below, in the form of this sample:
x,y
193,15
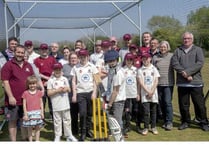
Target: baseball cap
x,y
113,39
127,37
132,46
83,52
57,66
146,55
28,43
129,56
106,43
98,43
43,46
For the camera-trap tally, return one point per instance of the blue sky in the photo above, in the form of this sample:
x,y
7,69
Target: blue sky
x,y
178,9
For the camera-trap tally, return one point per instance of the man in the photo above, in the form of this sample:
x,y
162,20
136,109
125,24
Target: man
x,y
146,38
79,45
127,42
98,54
14,74
188,61
55,51
9,52
45,64
154,44
31,53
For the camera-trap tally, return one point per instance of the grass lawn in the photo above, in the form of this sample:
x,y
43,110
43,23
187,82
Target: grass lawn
x,y
194,133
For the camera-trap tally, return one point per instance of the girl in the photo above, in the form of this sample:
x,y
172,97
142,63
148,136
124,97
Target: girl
x,y
132,96
148,79
33,108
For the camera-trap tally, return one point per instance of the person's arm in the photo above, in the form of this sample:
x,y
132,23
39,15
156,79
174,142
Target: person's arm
x,y
74,98
138,90
199,62
7,88
25,117
42,108
175,61
154,87
113,95
94,93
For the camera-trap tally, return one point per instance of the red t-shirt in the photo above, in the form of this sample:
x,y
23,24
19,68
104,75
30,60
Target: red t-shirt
x,y
17,77
32,100
45,65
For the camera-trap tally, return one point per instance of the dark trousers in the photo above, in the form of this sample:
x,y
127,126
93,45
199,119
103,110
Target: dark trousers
x,y
45,99
74,117
150,112
197,97
130,111
85,111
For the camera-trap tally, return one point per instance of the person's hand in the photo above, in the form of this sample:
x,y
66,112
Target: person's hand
x,y
12,101
25,117
184,74
189,78
74,100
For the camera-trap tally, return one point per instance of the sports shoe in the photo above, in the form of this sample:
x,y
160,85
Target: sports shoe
x,y
145,131
205,127
183,126
139,129
154,131
57,138
71,138
169,126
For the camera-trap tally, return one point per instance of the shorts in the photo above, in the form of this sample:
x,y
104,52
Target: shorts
x,y
13,113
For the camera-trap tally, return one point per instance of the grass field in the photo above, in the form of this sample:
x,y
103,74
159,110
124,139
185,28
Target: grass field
x,y
194,133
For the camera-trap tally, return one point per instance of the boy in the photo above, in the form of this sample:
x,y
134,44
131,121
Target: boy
x,y
148,79
57,90
116,86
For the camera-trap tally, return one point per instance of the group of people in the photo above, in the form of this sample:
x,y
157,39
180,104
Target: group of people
x,y
138,85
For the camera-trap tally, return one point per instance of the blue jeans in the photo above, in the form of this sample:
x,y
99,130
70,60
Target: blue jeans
x,y
118,108
165,100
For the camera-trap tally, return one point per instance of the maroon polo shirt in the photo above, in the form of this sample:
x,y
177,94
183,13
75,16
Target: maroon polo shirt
x,y
17,77
45,65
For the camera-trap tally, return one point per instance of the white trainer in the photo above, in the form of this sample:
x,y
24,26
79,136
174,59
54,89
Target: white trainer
x,y
57,138
71,138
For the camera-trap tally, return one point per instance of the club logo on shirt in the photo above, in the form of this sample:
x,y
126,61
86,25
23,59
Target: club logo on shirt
x,y
129,81
148,80
85,77
27,70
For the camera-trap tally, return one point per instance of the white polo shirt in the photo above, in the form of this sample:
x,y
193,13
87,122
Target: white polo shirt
x,y
131,81
59,101
119,80
148,75
33,56
84,76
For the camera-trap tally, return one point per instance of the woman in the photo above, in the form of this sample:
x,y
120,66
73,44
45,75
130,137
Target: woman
x,y
166,83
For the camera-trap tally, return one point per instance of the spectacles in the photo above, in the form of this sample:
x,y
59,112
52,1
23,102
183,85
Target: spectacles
x,y
187,38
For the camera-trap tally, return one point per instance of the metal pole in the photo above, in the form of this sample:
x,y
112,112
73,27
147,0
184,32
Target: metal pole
x,y
6,25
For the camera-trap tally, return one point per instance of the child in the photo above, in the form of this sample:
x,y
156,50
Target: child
x,y
132,96
116,86
58,89
148,80
33,107
84,90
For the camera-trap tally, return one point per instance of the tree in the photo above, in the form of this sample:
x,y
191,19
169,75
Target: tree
x,y
198,24
166,28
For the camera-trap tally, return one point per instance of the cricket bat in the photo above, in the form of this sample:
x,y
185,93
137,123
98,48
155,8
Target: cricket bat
x,y
99,84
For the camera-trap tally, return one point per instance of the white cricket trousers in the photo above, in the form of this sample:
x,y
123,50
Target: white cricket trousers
x,y
59,117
